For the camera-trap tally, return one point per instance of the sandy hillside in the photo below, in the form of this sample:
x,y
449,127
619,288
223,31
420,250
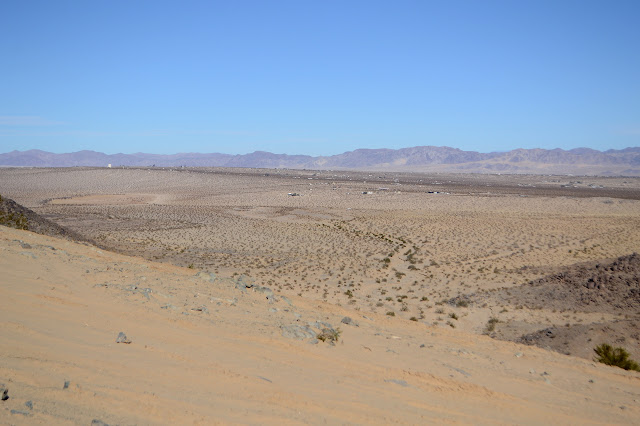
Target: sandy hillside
x,y
206,350
405,245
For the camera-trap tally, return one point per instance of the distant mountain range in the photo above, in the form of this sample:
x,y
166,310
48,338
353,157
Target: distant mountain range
x,y
581,161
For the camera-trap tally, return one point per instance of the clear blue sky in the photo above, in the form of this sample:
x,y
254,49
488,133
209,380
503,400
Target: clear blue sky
x,y
318,77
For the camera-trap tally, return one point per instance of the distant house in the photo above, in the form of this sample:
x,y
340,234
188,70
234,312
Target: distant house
x,y
109,165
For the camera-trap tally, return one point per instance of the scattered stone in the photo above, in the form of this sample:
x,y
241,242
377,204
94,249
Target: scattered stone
x,y
273,310
591,381
422,345
96,422
206,276
459,370
24,413
29,405
402,383
25,245
202,308
347,320
122,338
66,384
168,306
518,354
4,392
264,290
243,282
286,299
297,332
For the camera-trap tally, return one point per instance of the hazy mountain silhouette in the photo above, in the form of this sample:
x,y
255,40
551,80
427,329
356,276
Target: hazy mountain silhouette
x,y
584,161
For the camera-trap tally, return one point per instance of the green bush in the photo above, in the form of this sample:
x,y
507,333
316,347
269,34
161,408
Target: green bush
x,y
618,357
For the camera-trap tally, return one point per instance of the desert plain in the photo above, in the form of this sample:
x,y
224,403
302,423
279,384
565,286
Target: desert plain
x,y
441,298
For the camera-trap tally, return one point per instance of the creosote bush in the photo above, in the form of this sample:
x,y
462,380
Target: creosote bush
x,y
329,335
617,357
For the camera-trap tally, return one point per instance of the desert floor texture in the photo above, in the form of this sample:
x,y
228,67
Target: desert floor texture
x,y
469,298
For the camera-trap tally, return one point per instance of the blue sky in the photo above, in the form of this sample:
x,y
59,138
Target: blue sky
x,y
318,77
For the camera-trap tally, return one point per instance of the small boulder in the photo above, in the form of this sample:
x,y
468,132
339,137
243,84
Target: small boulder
x,y
122,338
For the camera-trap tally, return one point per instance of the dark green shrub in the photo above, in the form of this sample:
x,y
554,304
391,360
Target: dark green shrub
x,y
617,357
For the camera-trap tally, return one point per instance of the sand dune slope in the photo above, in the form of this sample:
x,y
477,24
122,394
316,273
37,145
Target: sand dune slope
x,y
206,352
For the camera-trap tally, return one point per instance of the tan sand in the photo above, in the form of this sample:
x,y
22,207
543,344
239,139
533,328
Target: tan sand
x,y
63,304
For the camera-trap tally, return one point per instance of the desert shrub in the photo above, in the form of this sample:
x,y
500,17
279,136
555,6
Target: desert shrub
x,y
329,335
391,314
491,325
462,304
617,357
453,316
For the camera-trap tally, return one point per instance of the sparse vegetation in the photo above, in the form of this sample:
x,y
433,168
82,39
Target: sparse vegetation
x,y
617,357
329,335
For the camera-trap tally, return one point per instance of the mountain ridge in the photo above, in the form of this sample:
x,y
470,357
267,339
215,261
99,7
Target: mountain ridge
x,y
419,158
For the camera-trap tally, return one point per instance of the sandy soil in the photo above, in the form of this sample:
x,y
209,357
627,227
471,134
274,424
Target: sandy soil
x,y
203,352
396,252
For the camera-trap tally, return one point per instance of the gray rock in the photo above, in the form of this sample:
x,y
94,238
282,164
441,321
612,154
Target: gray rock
x,y
96,422
66,384
4,392
297,332
25,245
243,282
402,383
122,338
286,299
206,276
346,320
29,405
264,290
23,413
321,325
202,309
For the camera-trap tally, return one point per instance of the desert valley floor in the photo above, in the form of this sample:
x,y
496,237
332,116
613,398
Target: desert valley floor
x,y
471,298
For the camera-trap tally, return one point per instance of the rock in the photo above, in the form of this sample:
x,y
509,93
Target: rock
x,y
25,245
297,332
202,308
29,405
264,290
4,392
66,384
402,383
346,320
243,282
273,310
122,338
96,422
286,299
24,413
206,276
